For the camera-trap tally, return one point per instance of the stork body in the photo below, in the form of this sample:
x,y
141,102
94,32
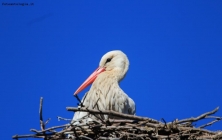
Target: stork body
x,y
105,93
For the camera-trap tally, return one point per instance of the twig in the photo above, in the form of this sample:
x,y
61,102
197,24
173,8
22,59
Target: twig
x,y
29,136
213,117
80,103
47,121
123,121
42,126
75,133
113,113
197,129
61,118
34,130
165,124
86,138
199,117
49,129
208,124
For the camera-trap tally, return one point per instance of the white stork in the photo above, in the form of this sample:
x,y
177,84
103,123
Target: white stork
x,y
105,93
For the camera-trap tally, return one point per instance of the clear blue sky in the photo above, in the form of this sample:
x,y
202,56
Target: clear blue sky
x,y
48,49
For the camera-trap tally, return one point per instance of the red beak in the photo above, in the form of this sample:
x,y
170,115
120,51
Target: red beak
x,y
89,80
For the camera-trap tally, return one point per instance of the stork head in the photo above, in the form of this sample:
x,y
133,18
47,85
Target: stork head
x,y
115,62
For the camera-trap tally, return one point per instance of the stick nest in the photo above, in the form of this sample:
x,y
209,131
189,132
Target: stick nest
x,y
129,127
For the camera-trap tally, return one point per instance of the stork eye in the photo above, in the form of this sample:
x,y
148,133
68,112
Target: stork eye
x,y
108,60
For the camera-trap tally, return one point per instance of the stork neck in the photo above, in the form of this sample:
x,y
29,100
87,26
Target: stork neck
x,y
119,75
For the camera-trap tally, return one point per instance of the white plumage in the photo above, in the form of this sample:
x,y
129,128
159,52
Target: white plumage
x,y
105,93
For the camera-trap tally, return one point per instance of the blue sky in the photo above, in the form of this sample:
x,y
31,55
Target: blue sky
x,y
48,49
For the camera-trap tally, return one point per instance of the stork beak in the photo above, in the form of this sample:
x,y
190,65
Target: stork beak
x,y
90,79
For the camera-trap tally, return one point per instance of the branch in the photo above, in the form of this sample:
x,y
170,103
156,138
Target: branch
x,y
113,113
49,129
199,117
47,121
61,118
29,136
208,124
42,126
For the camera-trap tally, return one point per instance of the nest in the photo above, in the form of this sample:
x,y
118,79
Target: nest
x,y
127,127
